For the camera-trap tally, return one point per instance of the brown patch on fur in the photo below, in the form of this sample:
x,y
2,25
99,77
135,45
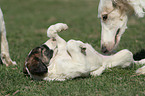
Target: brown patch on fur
x,y
123,6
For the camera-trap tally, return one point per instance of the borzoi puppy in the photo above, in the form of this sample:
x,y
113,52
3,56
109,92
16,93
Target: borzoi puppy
x,y
60,60
5,56
114,16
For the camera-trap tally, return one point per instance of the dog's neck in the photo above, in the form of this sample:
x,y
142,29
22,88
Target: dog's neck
x,y
138,6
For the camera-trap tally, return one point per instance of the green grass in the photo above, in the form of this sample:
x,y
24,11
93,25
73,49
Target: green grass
x,y
26,24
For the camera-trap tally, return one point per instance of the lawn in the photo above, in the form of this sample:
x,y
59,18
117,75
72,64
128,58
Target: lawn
x,y
27,22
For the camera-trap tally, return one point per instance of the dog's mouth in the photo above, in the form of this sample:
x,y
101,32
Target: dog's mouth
x,y
104,49
116,36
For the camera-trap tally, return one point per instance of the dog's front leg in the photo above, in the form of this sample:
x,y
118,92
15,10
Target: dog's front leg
x,y
5,56
98,72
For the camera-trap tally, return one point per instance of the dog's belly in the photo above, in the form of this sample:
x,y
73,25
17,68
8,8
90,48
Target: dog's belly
x,y
68,69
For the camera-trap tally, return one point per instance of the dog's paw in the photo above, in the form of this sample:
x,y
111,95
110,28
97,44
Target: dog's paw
x,y
141,70
53,29
52,79
98,72
60,26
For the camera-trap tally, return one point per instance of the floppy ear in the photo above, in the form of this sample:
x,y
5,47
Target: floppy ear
x,y
130,6
48,52
38,67
24,70
123,5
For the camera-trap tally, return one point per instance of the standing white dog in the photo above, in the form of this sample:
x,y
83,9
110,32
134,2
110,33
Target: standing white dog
x,y
68,60
114,16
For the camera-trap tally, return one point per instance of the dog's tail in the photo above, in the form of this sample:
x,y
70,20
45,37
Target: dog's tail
x,y
4,43
53,29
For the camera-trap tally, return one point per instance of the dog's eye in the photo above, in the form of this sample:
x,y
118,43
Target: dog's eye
x,y
104,17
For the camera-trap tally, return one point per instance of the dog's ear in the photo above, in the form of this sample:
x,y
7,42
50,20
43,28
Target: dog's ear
x,y
123,6
36,50
30,56
48,53
24,70
37,67
83,50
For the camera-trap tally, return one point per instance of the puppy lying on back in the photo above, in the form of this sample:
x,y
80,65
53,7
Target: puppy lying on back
x,y
60,60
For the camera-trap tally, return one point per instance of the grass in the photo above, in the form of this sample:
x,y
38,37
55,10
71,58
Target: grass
x,y
26,24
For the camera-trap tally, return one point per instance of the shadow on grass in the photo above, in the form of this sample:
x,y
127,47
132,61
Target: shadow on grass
x,y
139,55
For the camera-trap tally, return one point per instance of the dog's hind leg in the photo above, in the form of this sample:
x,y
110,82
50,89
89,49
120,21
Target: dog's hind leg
x,y
98,72
140,62
52,33
5,56
121,59
141,70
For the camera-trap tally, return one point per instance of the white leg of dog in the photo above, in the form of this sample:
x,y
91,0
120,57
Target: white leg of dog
x,y
121,59
52,33
141,70
98,72
5,56
61,47
140,62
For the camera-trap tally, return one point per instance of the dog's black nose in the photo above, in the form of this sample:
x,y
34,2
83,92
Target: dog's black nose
x,y
104,49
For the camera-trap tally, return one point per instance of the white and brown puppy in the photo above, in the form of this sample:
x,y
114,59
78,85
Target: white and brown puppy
x,y
61,60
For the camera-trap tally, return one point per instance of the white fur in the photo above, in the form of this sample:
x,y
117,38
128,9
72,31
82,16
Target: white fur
x,y
138,6
70,62
141,70
5,56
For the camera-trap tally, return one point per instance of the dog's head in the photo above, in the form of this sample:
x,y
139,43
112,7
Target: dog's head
x,y
37,61
114,16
